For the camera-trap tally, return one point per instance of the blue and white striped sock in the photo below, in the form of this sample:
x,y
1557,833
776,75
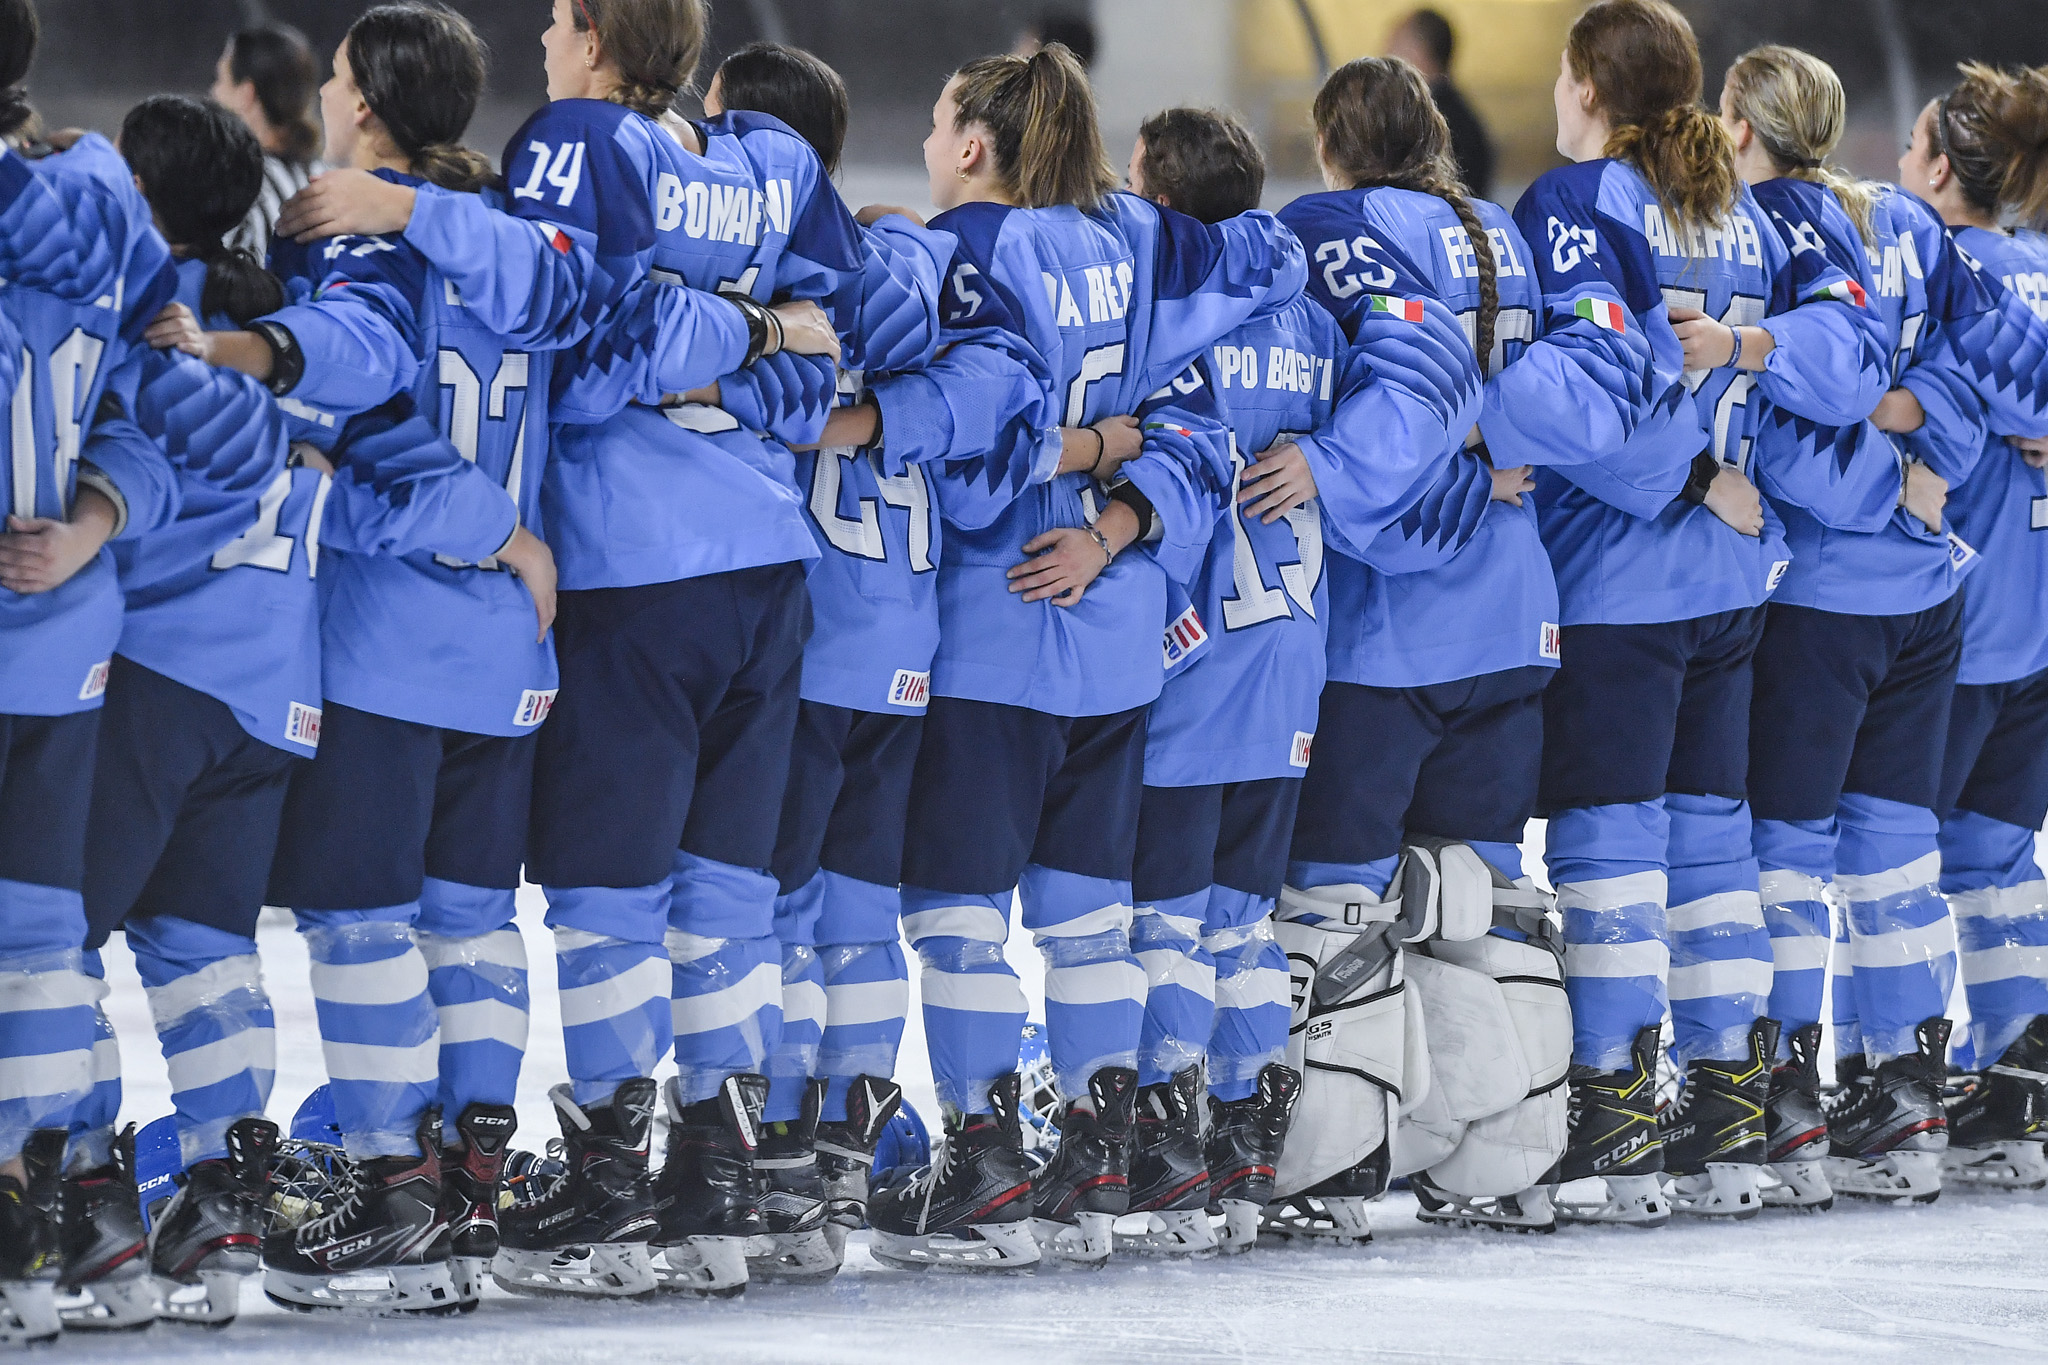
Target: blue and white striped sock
x,y
1180,985
726,983
2000,902
1796,862
1608,865
214,1023
476,972
973,1003
1253,1000
1094,987
1902,940
379,1030
614,979
1721,962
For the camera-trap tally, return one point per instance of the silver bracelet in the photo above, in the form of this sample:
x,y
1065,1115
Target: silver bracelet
x,y
1108,555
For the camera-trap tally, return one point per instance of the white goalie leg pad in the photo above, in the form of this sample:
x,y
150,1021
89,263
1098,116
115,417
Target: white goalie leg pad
x,y
1348,1047
1508,1152
1466,884
1425,1135
1417,1081
1480,1065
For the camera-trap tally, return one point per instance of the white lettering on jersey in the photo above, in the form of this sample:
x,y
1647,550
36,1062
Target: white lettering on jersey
x,y
668,202
1570,244
302,725
970,299
561,167
1777,575
534,706
1458,251
1734,238
2032,288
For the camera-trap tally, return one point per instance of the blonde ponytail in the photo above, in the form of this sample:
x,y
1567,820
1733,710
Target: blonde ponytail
x,y
1793,102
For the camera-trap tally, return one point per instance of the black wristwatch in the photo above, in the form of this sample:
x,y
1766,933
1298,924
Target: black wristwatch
x,y
1704,470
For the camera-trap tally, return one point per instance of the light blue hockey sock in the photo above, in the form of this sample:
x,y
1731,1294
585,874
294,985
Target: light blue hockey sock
x,y
476,972
379,1031
1796,862
1901,939
867,985
1180,985
973,1003
1253,1002
615,978
1608,865
215,1025
727,978
47,1008
1721,960
2000,902
1094,987
795,1059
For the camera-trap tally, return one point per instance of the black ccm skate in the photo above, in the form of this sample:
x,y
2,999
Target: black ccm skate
x,y
1714,1132
208,1237
29,1252
1888,1128
1615,1138
970,1209
1086,1187
578,1222
105,1285
705,1197
1169,1180
1998,1119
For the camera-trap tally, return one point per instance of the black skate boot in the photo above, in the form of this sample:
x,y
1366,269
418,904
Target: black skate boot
x,y
1614,1138
1245,1137
1332,1211
1086,1187
1169,1180
374,1247
29,1244
846,1154
970,1209
1998,1125
1796,1133
1714,1132
1887,1130
472,1173
789,1189
580,1228
209,1236
106,1285
706,1196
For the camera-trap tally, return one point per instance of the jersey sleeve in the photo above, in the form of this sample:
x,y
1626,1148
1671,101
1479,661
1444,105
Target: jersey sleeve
x,y
1183,468
784,396
171,413
1211,277
2002,351
360,330
574,167
526,279
889,313
399,488
824,246
1605,364
58,235
1437,525
660,339
1831,363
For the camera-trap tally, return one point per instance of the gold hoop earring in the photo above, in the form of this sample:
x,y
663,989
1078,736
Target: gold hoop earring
x,y
960,171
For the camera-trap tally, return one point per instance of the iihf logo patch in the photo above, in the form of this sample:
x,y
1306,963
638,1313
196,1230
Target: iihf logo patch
x,y
1777,575
1297,756
2039,511
1960,552
910,688
1183,634
1550,641
302,725
95,681
534,706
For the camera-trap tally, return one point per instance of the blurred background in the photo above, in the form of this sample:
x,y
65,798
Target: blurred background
x,y
1262,58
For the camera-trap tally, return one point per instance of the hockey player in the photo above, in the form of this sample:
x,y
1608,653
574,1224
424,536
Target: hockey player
x,y
407,903
1064,304
1443,635
1858,657
1662,282
1979,155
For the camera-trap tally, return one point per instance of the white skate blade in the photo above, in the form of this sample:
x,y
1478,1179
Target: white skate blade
x,y
1895,1177
396,1289
1237,1226
1177,1232
1337,1220
1086,1242
714,1267
119,1303
599,1270
1628,1200
1726,1189
1997,1166
979,1247
794,1257
468,1272
1529,1211
1797,1185
28,1313
214,1301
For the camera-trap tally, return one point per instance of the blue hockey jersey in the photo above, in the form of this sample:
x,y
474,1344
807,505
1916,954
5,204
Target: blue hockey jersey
x,y
439,638
85,272
1057,317
2002,509
1457,585
1603,406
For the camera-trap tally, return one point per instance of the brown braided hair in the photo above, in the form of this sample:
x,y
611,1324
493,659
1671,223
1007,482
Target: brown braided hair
x,y
1377,125
654,45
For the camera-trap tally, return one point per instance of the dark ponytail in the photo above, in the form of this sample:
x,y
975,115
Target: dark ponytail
x,y
421,72
19,31
279,63
201,170
653,46
1993,127
1377,125
1040,114
794,86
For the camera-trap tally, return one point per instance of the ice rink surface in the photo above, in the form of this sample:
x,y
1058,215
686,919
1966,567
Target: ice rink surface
x,y
1966,1278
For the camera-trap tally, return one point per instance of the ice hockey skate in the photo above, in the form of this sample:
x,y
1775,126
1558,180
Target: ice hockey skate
x,y
1529,1211
209,1237
1888,1129
472,1173
1086,1187
1795,1131
1714,1132
1332,1211
1998,1124
1245,1137
373,1247
789,1190
705,1197
1169,1181
29,1244
846,1154
1615,1140
970,1209
581,1229
105,1285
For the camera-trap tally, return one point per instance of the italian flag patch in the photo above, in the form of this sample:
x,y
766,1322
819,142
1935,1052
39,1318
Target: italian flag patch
x,y
1603,313
1842,291
1408,310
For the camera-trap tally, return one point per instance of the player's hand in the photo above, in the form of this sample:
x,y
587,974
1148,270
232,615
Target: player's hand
x,y
1899,410
868,216
1280,481
310,456
175,328
1063,563
529,557
1510,484
346,202
39,553
1734,499
2032,449
1707,343
1101,448
806,330
1925,495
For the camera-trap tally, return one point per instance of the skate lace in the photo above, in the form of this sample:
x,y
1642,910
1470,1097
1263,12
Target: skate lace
x,y
924,1182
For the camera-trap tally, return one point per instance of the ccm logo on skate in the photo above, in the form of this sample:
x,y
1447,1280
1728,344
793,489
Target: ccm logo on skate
x,y
910,689
1297,757
1185,632
302,725
95,681
534,706
1550,641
